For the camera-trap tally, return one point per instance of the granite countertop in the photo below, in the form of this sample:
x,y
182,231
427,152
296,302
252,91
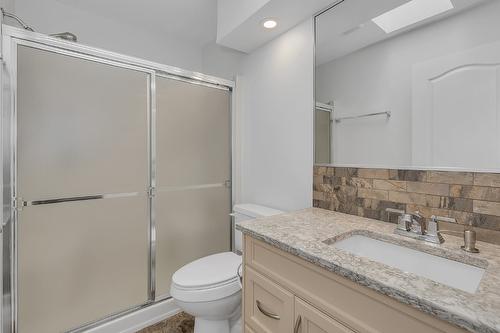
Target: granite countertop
x,y
309,234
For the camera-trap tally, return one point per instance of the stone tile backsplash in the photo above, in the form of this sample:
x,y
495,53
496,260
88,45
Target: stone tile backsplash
x,y
471,198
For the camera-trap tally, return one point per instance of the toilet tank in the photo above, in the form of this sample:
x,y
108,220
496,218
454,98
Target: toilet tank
x,y
244,212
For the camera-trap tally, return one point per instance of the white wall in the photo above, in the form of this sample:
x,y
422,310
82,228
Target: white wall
x,y
277,121
8,5
379,78
221,61
51,16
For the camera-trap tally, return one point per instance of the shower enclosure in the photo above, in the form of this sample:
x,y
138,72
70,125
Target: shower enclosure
x,y
116,172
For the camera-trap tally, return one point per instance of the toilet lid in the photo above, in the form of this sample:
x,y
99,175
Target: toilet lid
x,y
207,272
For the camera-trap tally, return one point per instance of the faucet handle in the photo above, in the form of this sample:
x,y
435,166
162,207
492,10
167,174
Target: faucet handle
x,y
433,226
395,211
443,219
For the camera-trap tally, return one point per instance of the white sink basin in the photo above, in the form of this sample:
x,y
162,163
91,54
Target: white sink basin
x,y
448,272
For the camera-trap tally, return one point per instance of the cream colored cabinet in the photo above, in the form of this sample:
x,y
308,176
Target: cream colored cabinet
x,y
268,307
308,319
248,329
284,293
271,309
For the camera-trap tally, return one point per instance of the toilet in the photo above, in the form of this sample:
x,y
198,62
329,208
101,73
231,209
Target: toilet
x,y
209,288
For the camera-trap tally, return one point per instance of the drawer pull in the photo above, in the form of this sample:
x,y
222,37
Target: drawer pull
x,y
297,324
266,313
239,272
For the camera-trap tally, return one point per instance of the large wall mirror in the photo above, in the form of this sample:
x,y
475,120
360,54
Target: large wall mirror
x,y
409,84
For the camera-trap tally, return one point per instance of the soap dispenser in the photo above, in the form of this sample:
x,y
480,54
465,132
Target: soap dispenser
x,y
470,239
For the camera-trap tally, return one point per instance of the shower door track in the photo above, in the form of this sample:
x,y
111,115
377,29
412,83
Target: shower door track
x,y
12,37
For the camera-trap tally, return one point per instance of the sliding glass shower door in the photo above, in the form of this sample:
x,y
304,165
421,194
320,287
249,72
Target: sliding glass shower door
x,y
193,148
82,180
115,175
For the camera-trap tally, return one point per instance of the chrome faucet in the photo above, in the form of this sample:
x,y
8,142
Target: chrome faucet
x,y
417,225
414,225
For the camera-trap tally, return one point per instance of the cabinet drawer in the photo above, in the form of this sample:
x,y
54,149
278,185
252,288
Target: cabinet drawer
x,y
268,307
311,320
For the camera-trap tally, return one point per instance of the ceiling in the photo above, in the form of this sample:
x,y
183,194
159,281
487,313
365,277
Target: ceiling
x,y
348,26
194,21
247,34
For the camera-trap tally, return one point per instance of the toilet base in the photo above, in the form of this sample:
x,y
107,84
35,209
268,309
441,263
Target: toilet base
x,y
217,316
235,325
211,326
202,325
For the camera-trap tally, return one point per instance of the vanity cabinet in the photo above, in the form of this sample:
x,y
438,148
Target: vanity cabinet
x,y
284,293
269,307
308,319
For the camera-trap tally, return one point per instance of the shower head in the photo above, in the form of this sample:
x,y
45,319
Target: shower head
x,y
66,36
63,35
15,17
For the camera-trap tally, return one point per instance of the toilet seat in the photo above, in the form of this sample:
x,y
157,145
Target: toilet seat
x,y
210,278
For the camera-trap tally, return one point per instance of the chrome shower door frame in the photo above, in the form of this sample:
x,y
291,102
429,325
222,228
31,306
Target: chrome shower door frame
x,y
10,39
13,204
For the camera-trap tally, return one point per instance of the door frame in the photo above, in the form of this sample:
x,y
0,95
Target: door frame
x,y
11,38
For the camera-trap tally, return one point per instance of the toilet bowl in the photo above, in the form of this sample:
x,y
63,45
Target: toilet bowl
x,y
210,288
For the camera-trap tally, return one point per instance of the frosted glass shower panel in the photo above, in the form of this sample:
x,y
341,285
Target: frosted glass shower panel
x,y
191,224
193,167
82,133
80,262
322,136
82,126
193,133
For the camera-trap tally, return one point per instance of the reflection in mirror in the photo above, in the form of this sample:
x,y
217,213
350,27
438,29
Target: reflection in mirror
x,y
409,84
323,133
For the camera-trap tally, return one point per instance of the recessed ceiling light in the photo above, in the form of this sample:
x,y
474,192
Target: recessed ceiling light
x,y
411,12
269,23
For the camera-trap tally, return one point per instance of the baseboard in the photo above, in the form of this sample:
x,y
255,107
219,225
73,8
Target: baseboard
x,y
140,319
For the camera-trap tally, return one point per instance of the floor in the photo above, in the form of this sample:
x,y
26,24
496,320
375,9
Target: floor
x,y
180,323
